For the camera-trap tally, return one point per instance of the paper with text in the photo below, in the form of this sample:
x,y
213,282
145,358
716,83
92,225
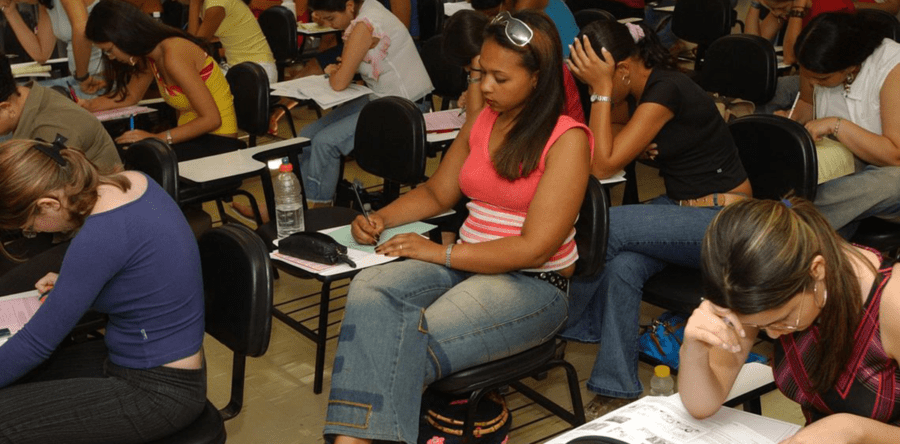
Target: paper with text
x,y
834,159
664,420
450,119
318,89
17,309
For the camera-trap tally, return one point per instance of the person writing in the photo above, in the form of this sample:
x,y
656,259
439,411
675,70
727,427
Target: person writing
x,y
140,50
146,378
667,117
778,266
64,20
502,289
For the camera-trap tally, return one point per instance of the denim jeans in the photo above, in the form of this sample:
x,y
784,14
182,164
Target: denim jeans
x,y
786,89
410,323
874,191
605,308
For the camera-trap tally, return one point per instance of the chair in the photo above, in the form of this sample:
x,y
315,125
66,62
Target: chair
x,y
449,81
237,282
616,9
279,25
741,66
249,85
390,143
779,156
431,18
702,22
591,236
882,20
585,17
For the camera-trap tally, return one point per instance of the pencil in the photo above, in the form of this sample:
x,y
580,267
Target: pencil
x,y
791,113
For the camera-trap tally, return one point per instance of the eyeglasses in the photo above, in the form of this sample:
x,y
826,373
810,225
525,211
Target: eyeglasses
x,y
29,232
783,327
517,31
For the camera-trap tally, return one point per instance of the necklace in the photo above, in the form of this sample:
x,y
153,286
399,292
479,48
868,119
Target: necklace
x,y
848,82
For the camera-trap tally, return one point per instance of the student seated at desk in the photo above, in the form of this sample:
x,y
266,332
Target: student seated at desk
x,y
60,20
675,122
140,50
450,307
831,307
135,259
232,22
377,47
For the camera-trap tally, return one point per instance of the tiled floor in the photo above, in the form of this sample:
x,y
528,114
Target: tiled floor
x,y
279,404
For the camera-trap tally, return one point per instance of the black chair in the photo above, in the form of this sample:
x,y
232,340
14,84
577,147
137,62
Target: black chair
x,y
237,282
585,17
279,25
249,85
431,18
390,143
779,156
617,10
591,237
449,80
741,66
882,20
702,22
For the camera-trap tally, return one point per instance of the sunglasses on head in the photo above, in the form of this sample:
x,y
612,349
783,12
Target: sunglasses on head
x,y
517,31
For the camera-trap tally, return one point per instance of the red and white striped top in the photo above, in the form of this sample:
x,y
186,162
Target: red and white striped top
x,y
499,206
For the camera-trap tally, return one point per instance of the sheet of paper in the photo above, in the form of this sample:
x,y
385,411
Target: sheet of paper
x,y
663,420
834,159
615,178
343,236
17,309
450,119
30,69
451,8
313,28
121,113
317,88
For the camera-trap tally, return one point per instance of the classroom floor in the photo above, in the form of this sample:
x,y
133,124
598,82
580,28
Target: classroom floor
x,y
279,404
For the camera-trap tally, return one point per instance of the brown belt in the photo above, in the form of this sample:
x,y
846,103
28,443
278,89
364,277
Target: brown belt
x,y
714,200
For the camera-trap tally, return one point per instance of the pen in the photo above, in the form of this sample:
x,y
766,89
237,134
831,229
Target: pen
x,y
72,92
131,122
461,111
361,206
791,113
4,332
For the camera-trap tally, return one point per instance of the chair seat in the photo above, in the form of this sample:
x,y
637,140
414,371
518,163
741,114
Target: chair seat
x,y
878,234
208,428
491,373
675,288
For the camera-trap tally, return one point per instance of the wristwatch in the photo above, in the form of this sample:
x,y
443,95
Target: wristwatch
x,y
798,12
597,98
82,78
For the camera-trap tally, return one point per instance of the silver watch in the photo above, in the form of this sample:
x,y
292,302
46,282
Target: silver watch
x,y
598,98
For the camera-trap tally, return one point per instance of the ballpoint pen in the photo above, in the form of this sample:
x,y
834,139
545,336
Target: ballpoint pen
x,y
362,207
131,122
462,110
791,112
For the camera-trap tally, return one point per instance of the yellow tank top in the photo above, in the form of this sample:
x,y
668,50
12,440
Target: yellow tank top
x,y
215,81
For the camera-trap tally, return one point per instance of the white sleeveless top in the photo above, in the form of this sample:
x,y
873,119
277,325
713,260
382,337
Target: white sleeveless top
x,y
393,67
862,105
62,29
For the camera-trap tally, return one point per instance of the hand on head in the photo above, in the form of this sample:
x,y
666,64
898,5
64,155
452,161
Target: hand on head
x,y
714,326
588,67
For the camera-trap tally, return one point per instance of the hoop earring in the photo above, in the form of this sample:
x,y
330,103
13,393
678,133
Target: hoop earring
x,y
816,295
131,60
626,79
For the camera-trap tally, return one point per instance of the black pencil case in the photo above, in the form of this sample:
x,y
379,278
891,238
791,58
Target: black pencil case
x,y
314,247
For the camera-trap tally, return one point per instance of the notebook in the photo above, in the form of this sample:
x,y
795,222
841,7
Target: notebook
x,y
834,159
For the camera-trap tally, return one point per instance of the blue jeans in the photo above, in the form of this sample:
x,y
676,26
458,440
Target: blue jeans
x,y
605,308
410,323
786,89
874,191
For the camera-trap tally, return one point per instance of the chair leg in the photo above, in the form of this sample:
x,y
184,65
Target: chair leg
x,y
238,369
472,408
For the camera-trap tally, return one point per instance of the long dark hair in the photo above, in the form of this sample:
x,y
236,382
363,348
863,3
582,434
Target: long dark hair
x,y
757,255
617,39
520,153
8,85
132,31
835,41
463,35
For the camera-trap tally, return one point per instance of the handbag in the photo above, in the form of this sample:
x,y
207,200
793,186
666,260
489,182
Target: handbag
x,y
661,341
443,417
315,247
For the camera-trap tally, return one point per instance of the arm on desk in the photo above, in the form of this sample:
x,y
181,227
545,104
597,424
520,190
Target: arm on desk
x,y
359,42
134,91
38,43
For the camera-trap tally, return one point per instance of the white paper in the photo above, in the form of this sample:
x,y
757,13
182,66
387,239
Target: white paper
x,y
664,420
318,89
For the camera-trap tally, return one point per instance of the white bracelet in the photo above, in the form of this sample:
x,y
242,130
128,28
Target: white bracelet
x,y
598,98
169,137
447,255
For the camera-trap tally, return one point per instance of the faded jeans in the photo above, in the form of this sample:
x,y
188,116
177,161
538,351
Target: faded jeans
x,y
874,191
410,323
606,308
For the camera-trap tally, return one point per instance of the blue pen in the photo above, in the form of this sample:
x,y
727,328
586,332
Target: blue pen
x,y
131,122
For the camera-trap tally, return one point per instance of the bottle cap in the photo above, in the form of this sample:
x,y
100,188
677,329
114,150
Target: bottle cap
x,y
662,371
286,166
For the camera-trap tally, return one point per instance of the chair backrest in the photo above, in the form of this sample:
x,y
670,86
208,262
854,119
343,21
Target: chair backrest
x,y
585,17
778,154
592,230
279,25
156,159
702,21
390,143
237,282
449,80
431,18
250,87
741,66
883,20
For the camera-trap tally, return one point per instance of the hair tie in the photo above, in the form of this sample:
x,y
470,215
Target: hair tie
x,y
53,149
637,33
787,203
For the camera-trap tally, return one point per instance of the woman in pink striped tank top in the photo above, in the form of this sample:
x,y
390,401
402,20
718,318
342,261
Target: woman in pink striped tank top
x,y
503,288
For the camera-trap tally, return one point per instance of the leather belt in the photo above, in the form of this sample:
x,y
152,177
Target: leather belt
x,y
551,277
714,200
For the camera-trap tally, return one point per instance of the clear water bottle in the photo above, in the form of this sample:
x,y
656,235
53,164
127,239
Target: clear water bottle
x,y
288,201
662,384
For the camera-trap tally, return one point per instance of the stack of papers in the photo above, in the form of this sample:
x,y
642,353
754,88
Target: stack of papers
x,y
122,113
448,120
318,89
32,69
17,309
314,28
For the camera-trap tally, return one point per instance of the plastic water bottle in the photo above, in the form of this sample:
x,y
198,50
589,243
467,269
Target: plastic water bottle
x,y
288,201
662,384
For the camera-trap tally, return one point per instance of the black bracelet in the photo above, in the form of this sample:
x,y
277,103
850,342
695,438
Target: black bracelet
x,y
82,78
799,13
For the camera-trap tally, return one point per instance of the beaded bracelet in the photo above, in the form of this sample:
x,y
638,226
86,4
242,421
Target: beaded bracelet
x,y
837,127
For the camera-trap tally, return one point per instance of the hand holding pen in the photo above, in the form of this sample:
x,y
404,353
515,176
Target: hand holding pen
x,y
366,229
46,284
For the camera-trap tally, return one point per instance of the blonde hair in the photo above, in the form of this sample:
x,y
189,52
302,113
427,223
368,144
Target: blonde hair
x,y
28,174
757,255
